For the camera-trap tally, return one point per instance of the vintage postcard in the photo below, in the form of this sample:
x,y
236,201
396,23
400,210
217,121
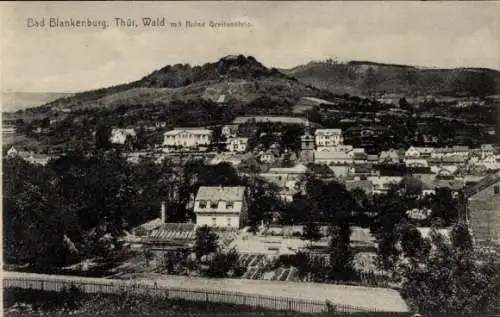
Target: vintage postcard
x,y
259,158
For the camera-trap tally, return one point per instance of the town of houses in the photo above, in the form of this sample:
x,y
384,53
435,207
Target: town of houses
x,y
451,167
470,174
454,167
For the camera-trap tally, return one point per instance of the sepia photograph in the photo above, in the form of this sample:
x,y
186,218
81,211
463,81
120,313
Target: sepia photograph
x,y
250,158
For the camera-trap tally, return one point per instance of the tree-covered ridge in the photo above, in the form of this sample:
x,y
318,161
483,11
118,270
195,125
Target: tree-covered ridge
x,y
361,77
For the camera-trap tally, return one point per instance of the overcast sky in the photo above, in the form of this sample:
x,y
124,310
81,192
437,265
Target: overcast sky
x,y
284,34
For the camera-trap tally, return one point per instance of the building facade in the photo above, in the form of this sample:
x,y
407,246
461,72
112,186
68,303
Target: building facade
x,y
221,207
187,138
230,131
238,145
120,136
483,212
328,138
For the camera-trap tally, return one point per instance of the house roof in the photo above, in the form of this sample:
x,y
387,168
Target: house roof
x,y
232,193
331,155
431,182
364,168
358,150
359,156
483,184
238,139
389,154
152,224
277,179
448,159
328,132
130,132
456,148
384,179
283,119
232,127
487,147
425,150
453,184
297,169
176,131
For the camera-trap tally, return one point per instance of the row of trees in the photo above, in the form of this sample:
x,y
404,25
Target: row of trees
x,y
444,274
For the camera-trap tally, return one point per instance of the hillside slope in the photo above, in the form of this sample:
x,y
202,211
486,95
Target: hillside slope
x,y
14,101
236,78
371,78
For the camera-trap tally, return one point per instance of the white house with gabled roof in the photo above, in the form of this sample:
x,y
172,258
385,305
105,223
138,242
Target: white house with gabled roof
x,y
221,207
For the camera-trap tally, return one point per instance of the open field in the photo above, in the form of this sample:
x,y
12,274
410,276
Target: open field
x,y
367,297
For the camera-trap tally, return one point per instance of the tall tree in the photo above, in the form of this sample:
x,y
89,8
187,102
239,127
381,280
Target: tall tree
x,y
263,202
35,223
102,135
462,238
311,231
206,241
341,257
413,244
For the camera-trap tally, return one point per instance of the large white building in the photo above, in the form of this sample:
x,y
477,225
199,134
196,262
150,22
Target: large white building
x,y
328,138
217,206
187,138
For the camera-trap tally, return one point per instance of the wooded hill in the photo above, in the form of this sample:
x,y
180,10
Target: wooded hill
x,y
233,78
369,78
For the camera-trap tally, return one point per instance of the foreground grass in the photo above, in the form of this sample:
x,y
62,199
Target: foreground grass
x,y
72,302
20,302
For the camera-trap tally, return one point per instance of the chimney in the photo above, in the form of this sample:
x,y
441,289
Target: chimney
x,y
163,213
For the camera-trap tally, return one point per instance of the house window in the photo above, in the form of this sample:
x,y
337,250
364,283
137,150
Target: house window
x,y
229,205
496,189
214,222
229,222
214,204
203,204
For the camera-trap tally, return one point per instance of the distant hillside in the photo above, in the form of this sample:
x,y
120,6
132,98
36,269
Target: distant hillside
x,y
14,101
232,78
363,78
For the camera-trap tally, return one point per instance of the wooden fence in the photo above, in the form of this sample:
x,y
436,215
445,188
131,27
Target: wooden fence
x,y
187,294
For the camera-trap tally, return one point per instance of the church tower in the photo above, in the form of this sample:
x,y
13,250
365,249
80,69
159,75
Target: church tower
x,y
307,145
